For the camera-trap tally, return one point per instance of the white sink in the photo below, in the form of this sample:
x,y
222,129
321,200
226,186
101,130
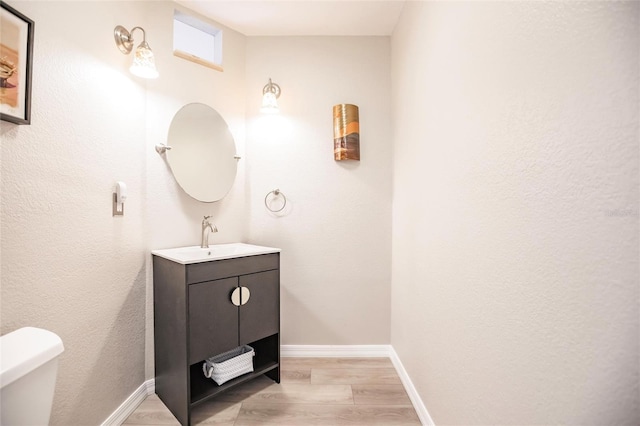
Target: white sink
x,y
196,254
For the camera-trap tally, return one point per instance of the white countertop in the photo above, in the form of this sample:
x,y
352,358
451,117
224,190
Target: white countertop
x,y
196,254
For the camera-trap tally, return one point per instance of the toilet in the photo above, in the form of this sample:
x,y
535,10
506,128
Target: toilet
x,y
28,367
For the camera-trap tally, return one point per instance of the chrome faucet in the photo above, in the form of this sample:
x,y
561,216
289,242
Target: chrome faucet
x,y
206,227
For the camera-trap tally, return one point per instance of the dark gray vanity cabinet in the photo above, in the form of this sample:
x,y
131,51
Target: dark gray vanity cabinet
x,y
195,318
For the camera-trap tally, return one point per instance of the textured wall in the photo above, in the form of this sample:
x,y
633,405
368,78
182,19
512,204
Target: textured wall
x,y
335,232
515,210
67,265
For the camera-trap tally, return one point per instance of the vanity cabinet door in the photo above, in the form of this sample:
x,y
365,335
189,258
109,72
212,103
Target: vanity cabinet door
x,y
260,315
213,319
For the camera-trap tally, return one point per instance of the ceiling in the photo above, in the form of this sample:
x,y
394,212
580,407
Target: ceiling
x,y
302,17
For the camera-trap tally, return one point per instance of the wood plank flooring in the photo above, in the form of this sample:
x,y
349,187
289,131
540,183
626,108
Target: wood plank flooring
x,y
313,391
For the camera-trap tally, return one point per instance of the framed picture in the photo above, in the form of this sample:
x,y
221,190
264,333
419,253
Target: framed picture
x,y
16,57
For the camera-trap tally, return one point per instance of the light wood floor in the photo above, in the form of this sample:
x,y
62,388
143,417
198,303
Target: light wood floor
x,y
313,391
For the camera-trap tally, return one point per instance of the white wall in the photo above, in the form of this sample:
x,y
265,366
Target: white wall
x,y
67,265
335,231
515,210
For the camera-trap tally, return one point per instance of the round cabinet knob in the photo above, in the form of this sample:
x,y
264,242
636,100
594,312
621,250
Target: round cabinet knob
x,y
235,296
245,295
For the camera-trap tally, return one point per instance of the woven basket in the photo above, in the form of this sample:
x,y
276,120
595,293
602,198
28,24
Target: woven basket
x,y
228,365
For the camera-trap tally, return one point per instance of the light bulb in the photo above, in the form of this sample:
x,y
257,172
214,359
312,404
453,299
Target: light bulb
x,y
269,103
144,64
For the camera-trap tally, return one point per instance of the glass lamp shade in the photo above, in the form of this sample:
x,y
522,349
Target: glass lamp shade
x,y
269,103
144,64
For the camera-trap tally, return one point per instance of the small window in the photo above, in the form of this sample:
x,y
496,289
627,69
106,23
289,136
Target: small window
x,y
197,41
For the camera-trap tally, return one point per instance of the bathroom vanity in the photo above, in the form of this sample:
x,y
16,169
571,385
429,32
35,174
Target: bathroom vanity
x,y
207,301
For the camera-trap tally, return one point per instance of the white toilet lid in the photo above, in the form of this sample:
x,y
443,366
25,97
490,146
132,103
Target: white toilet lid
x,y
24,350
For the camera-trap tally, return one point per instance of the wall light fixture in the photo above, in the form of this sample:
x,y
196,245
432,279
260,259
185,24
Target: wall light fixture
x,y
346,132
270,94
144,64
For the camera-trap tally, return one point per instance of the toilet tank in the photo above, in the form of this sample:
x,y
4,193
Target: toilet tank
x,y
28,367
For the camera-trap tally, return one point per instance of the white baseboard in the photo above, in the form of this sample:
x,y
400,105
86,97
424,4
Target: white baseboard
x,y
339,351
130,404
344,351
421,410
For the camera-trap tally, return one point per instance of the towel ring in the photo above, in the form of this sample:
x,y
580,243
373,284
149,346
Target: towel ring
x,y
275,192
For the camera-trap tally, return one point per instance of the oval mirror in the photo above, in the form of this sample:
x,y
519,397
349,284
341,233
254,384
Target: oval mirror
x,y
202,155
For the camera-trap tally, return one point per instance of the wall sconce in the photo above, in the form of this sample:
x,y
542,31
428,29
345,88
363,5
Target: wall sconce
x,y
144,64
346,132
270,94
